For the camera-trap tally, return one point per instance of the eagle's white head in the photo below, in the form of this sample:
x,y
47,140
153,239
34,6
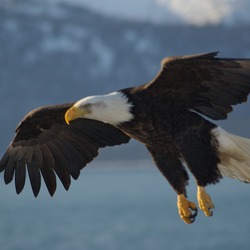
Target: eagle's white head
x,y
113,108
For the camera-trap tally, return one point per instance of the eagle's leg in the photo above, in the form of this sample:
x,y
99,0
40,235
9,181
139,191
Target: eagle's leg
x,y
185,208
204,201
173,170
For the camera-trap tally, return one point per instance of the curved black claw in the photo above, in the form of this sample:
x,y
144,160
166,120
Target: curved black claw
x,y
193,216
195,212
187,209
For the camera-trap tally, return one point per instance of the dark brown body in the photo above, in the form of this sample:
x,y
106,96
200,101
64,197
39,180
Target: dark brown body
x,y
173,137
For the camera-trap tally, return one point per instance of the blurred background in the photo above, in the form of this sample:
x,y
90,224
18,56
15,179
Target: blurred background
x,y
57,51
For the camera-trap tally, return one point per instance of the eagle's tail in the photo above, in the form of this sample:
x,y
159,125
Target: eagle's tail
x,y
234,154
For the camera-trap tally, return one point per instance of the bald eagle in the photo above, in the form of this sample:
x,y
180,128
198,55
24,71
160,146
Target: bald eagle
x,y
168,115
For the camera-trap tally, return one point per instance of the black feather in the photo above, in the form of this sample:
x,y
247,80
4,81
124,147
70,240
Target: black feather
x,y
46,145
20,174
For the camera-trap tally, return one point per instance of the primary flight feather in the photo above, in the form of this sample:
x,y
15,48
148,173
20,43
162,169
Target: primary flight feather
x,y
167,115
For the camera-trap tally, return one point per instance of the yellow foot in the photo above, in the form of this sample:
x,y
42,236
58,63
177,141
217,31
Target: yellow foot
x,y
205,201
184,207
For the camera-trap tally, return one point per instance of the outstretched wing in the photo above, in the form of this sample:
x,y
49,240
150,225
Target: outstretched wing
x,y
203,83
45,145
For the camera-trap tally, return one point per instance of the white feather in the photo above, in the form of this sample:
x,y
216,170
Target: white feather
x,y
113,108
234,153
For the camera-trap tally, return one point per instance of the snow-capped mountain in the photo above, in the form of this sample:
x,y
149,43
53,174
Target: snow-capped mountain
x,y
54,53
194,12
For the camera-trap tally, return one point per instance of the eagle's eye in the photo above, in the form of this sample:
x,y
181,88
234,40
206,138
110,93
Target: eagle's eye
x,y
87,106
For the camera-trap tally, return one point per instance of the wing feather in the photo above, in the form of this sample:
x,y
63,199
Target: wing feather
x,y
10,169
60,166
33,170
35,177
72,164
47,169
47,146
203,83
20,176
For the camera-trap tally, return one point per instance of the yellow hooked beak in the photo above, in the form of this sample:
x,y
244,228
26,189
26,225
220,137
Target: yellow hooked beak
x,y
72,114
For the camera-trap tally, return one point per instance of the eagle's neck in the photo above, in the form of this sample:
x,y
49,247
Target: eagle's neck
x,y
118,107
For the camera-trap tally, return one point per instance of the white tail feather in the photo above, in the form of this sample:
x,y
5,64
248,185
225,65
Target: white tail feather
x,y
234,153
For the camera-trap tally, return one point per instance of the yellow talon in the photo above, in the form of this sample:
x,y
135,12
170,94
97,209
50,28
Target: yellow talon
x,y
204,201
184,206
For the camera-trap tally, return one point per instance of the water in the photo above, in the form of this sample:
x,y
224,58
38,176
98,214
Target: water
x,y
123,208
